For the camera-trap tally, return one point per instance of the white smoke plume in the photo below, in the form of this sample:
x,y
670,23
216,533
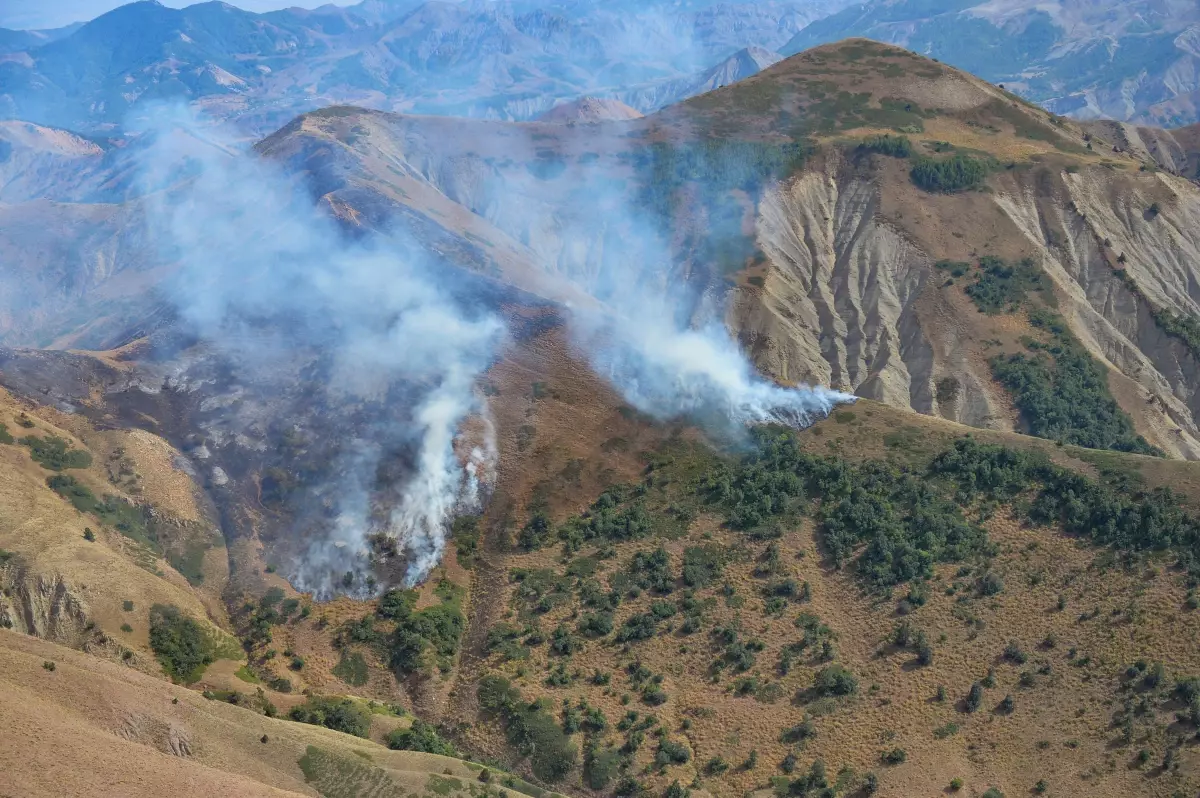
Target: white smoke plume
x,y
669,372
264,276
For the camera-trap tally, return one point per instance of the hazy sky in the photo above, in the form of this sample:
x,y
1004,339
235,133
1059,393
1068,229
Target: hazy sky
x,y
32,14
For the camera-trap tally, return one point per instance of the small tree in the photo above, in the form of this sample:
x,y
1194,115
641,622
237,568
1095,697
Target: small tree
x,y
974,697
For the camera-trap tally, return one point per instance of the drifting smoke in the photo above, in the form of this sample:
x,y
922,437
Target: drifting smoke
x,y
268,280
267,277
669,372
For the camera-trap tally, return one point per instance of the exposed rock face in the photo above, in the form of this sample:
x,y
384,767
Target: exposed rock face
x,y
42,605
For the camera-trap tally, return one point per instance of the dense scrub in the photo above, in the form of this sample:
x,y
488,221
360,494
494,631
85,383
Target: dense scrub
x,y
892,523
956,173
1060,389
339,714
1129,519
1062,392
54,453
180,643
1182,327
411,640
420,736
886,144
529,728
716,165
1000,286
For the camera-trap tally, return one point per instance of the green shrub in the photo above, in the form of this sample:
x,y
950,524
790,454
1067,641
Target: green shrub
x,y
834,680
420,736
180,643
956,173
55,453
529,729
974,697
1002,287
895,146
5,435
702,565
339,714
599,766
1062,393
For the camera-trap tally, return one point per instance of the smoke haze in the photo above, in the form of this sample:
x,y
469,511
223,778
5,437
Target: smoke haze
x,y
264,276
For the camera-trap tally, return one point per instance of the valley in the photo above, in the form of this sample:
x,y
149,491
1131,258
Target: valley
x,y
966,564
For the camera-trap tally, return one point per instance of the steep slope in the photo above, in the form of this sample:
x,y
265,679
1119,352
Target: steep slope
x,y
843,288
887,602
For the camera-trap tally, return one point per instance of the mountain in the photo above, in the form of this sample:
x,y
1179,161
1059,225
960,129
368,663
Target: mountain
x,y
508,61
976,574
740,65
16,41
589,109
1130,61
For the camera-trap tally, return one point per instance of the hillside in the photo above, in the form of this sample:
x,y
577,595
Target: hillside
x,y
76,726
891,327
1133,61
976,575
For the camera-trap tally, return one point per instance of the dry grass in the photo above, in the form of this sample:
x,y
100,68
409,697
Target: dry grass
x,y
95,728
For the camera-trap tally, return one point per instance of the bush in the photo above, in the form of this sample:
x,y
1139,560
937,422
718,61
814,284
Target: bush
x,y
956,173
421,736
435,631
596,624
536,531
804,730
641,626
1062,393
974,697
895,146
702,565
896,756
529,728
55,453
834,680
180,643
671,752
599,766
339,714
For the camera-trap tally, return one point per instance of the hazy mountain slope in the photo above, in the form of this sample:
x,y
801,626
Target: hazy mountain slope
x,y
588,110
849,295
489,60
1129,61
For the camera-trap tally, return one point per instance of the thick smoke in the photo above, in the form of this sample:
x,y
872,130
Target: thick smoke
x,y
267,279
668,372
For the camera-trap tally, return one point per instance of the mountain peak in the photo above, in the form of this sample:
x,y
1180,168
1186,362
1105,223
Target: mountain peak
x,y
590,109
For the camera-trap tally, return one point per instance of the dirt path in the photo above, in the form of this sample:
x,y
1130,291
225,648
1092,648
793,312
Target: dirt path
x,y
487,606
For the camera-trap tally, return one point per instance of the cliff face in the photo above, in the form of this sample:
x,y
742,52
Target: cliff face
x,y
850,296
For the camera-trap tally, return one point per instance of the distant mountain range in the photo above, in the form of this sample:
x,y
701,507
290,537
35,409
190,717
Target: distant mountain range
x,y
1132,60
515,60
480,59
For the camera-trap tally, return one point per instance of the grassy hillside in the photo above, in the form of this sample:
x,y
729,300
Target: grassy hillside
x,y
115,731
